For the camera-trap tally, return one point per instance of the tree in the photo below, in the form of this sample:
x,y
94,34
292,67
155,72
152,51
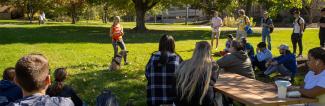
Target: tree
x,y
141,7
309,6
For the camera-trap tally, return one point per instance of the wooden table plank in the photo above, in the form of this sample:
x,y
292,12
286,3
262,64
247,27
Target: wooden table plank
x,y
252,92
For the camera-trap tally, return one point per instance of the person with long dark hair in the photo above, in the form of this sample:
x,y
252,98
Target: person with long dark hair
x,y
160,73
196,77
58,89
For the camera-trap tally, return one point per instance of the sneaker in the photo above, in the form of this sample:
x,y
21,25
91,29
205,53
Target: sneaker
x,y
126,63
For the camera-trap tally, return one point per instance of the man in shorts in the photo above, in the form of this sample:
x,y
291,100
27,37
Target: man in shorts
x,y
216,23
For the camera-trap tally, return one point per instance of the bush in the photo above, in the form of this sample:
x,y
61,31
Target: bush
x,y
229,21
232,22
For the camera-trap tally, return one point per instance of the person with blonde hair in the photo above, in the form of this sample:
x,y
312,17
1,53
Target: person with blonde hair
x,y
116,32
196,77
242,22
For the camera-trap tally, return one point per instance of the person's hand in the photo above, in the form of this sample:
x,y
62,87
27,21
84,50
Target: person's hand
x,y
257,49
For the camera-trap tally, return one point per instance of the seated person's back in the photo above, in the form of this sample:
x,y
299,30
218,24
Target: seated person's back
x,y
32,75
58,89
9,92
237,62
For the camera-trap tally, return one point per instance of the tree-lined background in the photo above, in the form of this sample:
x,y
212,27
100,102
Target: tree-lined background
x,y
136,10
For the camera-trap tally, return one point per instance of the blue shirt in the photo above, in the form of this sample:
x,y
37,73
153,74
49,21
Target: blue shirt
x,y
264,55
289,61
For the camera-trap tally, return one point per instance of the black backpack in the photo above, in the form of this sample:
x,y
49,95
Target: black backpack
x,y
305,25
106,98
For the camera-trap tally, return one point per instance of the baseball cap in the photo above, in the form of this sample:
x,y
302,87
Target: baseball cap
x,y
283,47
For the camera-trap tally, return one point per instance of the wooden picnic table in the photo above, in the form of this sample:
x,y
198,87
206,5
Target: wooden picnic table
x,y
253,92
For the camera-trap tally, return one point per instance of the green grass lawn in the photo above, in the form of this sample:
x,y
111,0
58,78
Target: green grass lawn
x,y
86,50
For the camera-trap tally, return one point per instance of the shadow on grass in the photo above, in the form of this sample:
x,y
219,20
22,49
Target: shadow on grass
x,y
126,85
91,34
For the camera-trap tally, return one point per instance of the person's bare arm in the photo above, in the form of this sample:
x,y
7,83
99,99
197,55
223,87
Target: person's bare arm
x,y
110,32
302,26
314,92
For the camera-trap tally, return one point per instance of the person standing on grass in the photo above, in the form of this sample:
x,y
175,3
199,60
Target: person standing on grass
x,y
58,89
116,32
322,28
242,22
42,18
33,76
267,26
298,30
160,73
195,78
216,23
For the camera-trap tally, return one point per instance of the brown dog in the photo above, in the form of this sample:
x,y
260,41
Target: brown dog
x,y
117,60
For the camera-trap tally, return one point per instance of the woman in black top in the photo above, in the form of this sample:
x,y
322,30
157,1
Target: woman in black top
x,y
58,89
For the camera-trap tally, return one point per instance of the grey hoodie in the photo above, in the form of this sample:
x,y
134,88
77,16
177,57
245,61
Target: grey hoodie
x,y
237,62
42,100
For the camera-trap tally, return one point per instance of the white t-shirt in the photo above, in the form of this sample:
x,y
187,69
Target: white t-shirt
x,y
311,81
296,27
216,24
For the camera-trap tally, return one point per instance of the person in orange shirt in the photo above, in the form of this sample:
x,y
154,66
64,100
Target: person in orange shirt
x,y
116,32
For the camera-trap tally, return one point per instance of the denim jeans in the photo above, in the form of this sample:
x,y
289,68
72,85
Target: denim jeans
x,y
266,36
119,43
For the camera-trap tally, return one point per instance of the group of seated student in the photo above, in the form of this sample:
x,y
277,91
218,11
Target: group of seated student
x,y
29,84
174,81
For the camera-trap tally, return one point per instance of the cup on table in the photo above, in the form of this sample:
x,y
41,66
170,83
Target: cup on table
x,y
282,86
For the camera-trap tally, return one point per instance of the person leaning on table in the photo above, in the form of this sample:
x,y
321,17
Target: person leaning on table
x,y
314,82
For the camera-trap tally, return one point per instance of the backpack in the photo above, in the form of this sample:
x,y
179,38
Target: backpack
x,y
305,25
106,98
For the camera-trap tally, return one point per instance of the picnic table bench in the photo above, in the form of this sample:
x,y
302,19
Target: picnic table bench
x,y
253,92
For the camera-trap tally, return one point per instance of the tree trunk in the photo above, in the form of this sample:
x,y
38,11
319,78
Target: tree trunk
x,y
140,20
74,14
311,16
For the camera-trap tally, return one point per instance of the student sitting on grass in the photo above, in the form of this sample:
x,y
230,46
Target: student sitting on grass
x,y
248,48
32,75
196,77
230,38
237,61
160,73
9,92
285,64
58,89
262,56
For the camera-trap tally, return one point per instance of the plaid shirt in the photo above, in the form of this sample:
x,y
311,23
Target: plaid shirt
x,y
160,89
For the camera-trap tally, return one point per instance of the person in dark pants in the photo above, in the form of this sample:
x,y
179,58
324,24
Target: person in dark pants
x,y
322,28
298,30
